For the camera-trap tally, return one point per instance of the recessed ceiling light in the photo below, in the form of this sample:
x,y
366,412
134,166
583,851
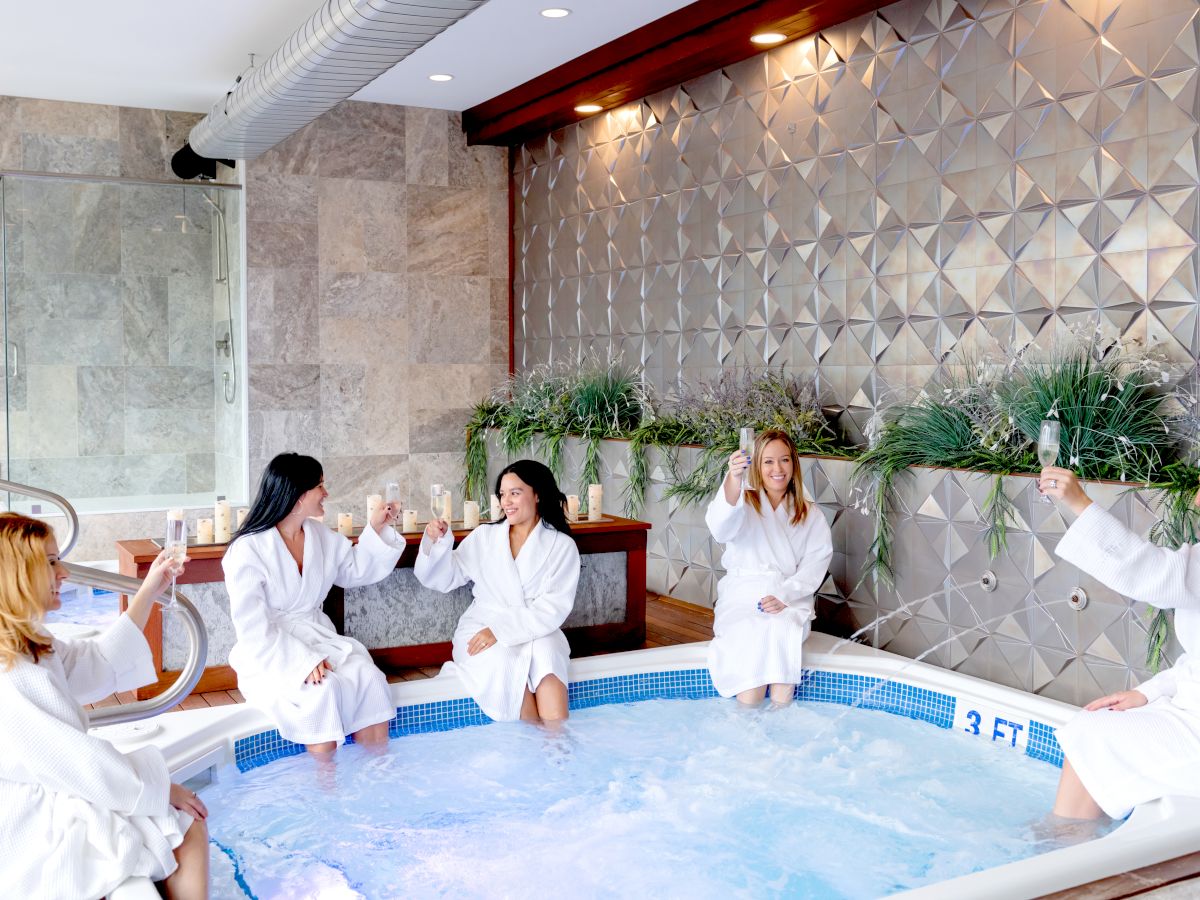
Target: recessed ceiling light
x,y
556,12
441,77
588,108
768,37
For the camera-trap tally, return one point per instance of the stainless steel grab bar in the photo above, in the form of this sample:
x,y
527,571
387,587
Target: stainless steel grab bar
x,y
192,669
61,502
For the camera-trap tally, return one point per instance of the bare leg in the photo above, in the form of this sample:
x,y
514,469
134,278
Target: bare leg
x,y
373,736
752,697
190,880
552,699
1073,800
529,707
325,747
782,694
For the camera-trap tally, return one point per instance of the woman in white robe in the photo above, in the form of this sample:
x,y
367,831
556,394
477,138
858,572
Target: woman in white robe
x,y
316,685
777,551
78,817
509,649
1138,745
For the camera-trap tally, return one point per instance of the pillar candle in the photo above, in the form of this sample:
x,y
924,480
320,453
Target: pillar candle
x,y
373,503
448,507
175,515
494,508
222,517
204,531
346,524
572,507
470,514
241,516
595,502
410,521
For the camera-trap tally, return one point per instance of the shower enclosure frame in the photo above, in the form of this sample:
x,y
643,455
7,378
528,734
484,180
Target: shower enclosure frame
x,y
237,487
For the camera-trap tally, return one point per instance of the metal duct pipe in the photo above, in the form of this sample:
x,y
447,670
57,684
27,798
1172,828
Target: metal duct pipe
x,y
345,45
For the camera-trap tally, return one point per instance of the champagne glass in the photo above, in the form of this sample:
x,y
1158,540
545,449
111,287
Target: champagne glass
x,y
746,445
436,493
391,496
1048,448
175,544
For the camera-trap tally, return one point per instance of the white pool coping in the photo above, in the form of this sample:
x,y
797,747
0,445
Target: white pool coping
x,y
196,740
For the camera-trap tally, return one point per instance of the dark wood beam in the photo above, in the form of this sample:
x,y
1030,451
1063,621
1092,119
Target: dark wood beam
x,y
690,42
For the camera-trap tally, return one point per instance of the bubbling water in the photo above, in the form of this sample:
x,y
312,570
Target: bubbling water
x,y
690,798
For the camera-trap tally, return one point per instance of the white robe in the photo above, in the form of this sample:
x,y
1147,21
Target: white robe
x,y
282,632
1130,757
764,555
78,817
523,601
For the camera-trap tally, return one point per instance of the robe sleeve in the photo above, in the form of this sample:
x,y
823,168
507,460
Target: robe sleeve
x,y
815,555
248,584
725,521
372,559
1163,684
117,660
55,754
1129,564
439,566
545,613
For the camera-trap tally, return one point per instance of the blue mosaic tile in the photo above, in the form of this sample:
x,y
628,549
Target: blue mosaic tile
x,y
817,686
1043,745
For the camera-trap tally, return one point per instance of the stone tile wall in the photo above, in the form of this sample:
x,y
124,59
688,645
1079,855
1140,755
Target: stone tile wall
x,y
377,250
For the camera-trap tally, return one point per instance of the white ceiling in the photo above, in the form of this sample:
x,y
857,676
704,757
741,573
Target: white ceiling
x,y
181,55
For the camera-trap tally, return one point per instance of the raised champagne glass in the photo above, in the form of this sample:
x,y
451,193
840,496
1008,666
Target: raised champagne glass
x,y
1048,448
746,445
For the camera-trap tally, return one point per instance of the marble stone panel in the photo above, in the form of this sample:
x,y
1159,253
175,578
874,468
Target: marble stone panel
x,y
273,431
101,393
169,387
156,207
145,320
95,235
342,388
437,430
500,346
94,342
351,479
365,120
201,473
49,426
273,197
190,321
10,133
89,297
211,600
70,155
447,231
172,430
285,387
449,319
260,315
105,476
480,166
357,154
363,295
296,155
601,595
150,137
165,253
66,119
295,305
426,146
281,245
362,225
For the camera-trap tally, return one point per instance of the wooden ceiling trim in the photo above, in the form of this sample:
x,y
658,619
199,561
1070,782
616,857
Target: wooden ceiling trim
x,y
690,42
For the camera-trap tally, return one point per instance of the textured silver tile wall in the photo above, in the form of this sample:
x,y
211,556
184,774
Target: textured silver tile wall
x,y
928,182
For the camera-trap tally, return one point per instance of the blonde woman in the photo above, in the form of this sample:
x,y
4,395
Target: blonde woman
x,y
77,817
777,552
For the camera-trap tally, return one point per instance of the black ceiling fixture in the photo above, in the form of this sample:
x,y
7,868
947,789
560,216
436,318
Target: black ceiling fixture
x,y
188,164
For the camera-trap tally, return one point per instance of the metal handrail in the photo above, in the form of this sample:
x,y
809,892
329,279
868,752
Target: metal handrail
x,y
58,500
192,669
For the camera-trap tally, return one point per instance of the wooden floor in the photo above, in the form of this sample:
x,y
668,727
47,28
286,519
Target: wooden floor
x,y
670,621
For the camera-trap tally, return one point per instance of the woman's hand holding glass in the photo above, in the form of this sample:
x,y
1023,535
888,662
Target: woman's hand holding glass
x,y
435,529
738,463
1063,485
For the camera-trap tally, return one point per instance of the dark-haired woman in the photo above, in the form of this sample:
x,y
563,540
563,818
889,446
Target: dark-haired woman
x,y
777,552
316,685
509,647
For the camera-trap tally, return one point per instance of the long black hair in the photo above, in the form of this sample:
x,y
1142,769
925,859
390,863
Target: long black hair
x,y
551,502
284,479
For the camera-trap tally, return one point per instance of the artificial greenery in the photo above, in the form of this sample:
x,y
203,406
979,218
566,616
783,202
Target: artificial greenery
x,y
1178,524
711,415
543,406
